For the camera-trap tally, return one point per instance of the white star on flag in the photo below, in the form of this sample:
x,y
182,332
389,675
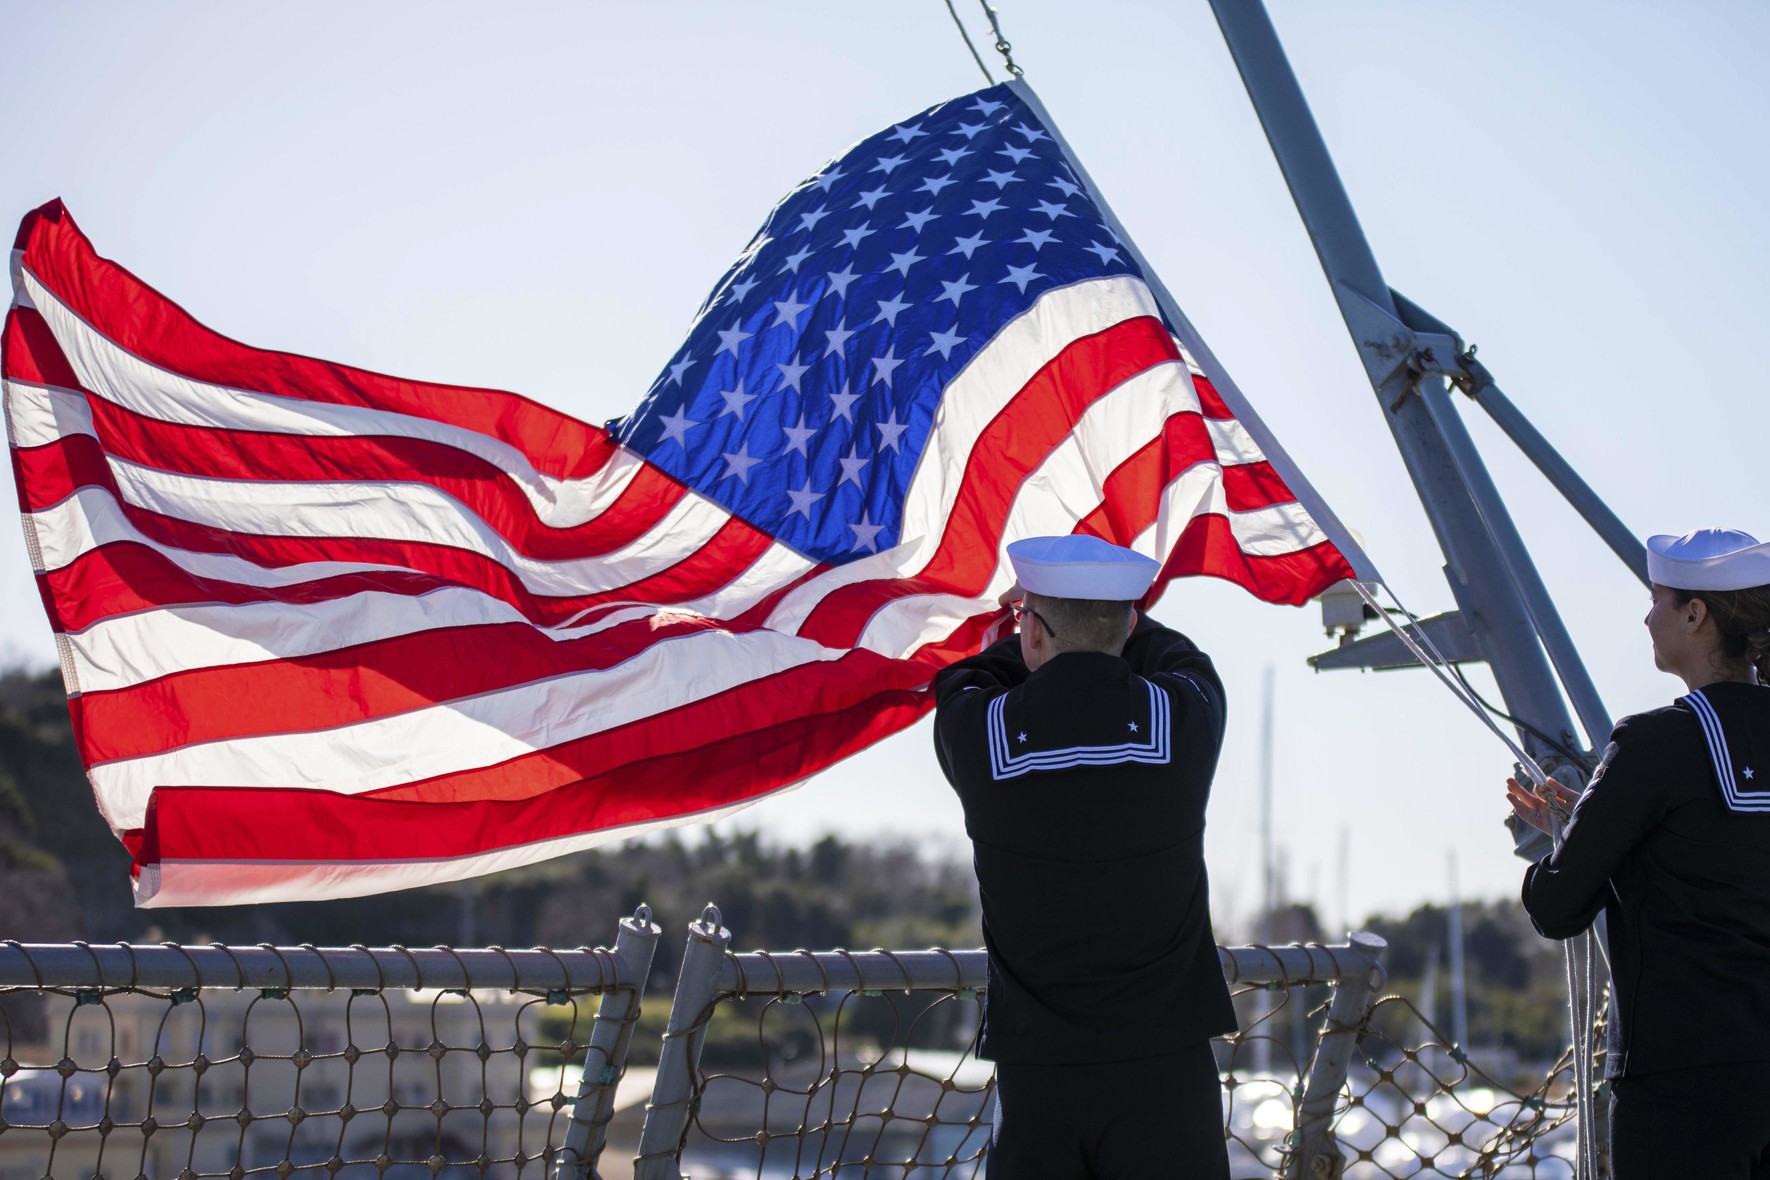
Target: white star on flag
x,y
739,462
798,435
676,426
954,290
731,338
916,221
836,339
803,498
844,402
1020,276
891,432
967,246
853,463
736,400
889,309
839,280
787,311
866,533
945,342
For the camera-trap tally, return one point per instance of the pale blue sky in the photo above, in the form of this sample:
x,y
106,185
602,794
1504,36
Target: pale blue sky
x,y
538,197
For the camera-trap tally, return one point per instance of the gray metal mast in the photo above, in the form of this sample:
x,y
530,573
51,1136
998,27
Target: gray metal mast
x,y
1505,615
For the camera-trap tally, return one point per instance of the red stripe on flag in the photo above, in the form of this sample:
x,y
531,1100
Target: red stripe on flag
x,y
29,352
144,322
1210,402
1247,486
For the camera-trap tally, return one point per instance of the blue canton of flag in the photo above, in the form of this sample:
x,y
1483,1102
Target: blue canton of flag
x,y
807,387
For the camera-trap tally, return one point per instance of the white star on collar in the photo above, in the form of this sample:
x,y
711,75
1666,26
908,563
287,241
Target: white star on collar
x,y
1023,737
1133,727
1748,774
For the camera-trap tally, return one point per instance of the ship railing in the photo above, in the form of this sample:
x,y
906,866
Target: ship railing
x,y
209,1061
901,1093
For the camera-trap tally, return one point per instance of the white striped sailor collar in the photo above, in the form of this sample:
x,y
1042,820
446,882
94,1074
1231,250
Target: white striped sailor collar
x,y
1741,763
1015,749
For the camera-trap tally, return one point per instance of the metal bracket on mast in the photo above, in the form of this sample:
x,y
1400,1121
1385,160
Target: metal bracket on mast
x,y
1383,651
1388,344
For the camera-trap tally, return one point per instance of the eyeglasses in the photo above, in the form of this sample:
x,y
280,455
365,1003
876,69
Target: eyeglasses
x,y
1021,610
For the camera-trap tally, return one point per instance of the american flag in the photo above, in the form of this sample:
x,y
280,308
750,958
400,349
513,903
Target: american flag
x,y
327,632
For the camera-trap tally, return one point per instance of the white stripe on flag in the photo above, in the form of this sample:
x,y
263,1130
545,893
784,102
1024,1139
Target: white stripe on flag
x,y
1235,446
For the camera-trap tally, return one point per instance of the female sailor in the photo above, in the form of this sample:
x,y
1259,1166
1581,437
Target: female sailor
x,y
1672,841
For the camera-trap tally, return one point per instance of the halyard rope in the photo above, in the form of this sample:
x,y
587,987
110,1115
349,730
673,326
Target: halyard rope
x,y
975,56
1577,952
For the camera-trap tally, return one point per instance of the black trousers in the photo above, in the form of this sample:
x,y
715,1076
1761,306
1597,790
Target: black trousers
x,y
1712,1122
1155,1118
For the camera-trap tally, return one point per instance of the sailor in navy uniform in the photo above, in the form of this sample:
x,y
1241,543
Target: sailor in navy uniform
x,y
1082,750
1672,841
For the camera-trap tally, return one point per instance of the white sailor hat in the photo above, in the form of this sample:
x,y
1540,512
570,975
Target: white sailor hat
x,y
1080,566
1708,559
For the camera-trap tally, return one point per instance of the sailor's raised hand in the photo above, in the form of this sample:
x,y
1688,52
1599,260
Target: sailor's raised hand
x,y
1531,804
